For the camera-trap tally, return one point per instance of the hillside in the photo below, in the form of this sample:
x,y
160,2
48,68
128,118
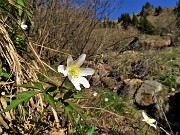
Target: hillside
x,y
132,67
131,59
166,19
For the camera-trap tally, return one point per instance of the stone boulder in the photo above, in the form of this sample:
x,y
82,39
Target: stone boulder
x,y
130,88
146,94
177,79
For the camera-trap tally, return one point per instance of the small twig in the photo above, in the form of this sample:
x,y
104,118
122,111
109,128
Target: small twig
x,y
4,83
42,45
166,119
100,46
33,50
102,110
56,117
164,131
50,49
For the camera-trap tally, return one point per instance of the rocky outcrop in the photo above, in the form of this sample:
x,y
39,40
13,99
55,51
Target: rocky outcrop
x,y
177,79
149,95
141,93
155,41
146,94
130,88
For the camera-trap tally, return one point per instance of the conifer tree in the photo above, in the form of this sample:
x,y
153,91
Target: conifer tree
x,y
146,9
177,11
126,20
135,20
178,8
147,5
106,22
158,10
145,26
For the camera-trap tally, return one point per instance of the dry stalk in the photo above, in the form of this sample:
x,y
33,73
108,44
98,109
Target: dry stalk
x,y
22,71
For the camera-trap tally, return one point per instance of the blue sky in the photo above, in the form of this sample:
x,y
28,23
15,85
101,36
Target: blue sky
x,y
134,6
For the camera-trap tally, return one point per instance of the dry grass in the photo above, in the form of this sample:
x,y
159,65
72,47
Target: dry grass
x,y
22,71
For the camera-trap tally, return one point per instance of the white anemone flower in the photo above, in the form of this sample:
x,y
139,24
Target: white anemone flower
x,y
95,94
149,120
23,26
75,73
106,99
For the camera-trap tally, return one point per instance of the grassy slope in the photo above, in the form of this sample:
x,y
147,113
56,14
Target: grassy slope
x,y
166,18
166,60
116,116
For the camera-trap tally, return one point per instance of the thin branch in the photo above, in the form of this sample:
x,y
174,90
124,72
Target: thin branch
x,y
102,110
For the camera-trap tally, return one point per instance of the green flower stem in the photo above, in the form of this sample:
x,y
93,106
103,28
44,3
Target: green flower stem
x,y
62,82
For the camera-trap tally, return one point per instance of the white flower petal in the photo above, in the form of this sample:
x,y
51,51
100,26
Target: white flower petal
x,y
83,81
145,116
148,120
70,77
143,120
153,125
61,70
76,83
151,121
76,77
95,94
80,60
69,61
106,99
86,71
24,26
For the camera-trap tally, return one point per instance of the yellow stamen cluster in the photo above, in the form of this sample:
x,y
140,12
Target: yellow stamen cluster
x,y
74,71
148,120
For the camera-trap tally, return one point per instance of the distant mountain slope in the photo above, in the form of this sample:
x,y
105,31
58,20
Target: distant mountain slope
x,y
166,19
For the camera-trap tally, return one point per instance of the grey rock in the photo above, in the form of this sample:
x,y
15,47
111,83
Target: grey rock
x,y
177,79
130,88
145,95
